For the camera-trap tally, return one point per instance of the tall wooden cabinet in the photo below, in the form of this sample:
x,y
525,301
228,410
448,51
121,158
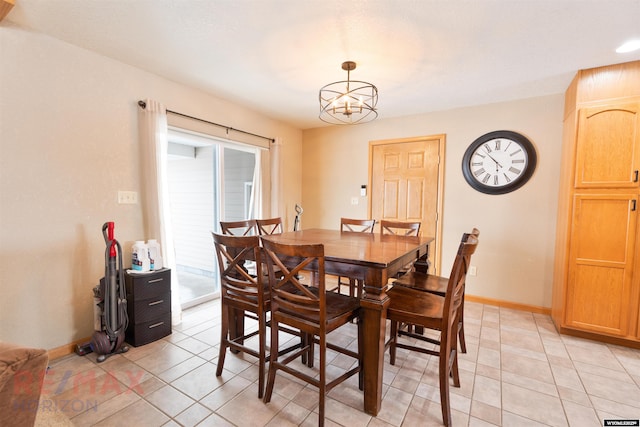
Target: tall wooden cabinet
x,y
597,266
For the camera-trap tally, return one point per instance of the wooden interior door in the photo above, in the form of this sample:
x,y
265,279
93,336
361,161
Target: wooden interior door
x,y
405,177
601,263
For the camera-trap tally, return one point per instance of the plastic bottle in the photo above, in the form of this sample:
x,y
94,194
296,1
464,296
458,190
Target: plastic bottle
x,y
140,257
155,256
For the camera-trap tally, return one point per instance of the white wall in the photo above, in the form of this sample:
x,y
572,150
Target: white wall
x,y
515,257
68,143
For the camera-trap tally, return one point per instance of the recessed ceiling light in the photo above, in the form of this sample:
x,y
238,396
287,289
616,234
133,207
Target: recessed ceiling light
x,y
629,46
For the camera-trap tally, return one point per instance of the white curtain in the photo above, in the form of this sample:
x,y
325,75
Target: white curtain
x,y
255,204
276,179
155,198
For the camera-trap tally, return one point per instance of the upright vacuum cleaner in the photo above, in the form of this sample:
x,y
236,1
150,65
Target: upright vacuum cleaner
x,y
112,294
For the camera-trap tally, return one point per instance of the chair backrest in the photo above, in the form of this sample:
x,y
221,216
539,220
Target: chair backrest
x,y
400,228
303,306
456,286
269,226
235,281
246,227
357,225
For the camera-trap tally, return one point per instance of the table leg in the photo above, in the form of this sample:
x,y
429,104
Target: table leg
x,y
374,318
374,305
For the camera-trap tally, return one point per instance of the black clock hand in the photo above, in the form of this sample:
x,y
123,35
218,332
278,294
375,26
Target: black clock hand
x,y
497,164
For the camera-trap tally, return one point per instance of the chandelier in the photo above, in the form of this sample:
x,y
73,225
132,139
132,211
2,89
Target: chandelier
x,y
348,102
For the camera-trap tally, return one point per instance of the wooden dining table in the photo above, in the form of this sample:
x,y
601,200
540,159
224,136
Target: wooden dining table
x,y
372,258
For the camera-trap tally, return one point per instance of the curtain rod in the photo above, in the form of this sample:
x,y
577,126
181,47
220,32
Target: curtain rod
x,y
143,105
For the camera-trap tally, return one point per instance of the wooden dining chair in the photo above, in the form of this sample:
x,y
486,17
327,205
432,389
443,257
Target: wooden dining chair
x,y
352,225
269,226
312,310
245,227
244,293
241,292
431,311
400,228
437,285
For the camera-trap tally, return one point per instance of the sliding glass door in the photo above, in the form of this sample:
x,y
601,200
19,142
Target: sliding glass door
x,y
209,180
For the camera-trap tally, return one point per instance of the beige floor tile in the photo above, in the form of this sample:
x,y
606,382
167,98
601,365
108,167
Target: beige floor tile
x,y
106,409
566,377
193,345
532,405
530,383
487,413
193,415
614,409
163,358
141,413
215,420
396,404
247,410
611,389
225,393
169,400
527,367
290,416
181,368
487,391
344,415
199,382
581,416
511,419
601,371
575,396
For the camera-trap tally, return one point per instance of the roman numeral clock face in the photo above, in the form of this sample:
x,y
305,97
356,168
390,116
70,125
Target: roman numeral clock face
x,y
499,162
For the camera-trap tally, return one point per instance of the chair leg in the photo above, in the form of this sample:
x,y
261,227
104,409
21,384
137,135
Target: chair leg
x,y
262,337
392,341
360,354
352,287
323,379
311,352
224,336
273,359
444,385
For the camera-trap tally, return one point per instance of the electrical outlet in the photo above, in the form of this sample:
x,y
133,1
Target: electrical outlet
x,y
472,270
127,197
354,200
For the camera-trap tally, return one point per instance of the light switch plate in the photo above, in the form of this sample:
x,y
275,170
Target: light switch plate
x,y
127,197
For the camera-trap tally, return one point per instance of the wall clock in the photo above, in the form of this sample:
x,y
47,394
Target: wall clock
x,y
499,162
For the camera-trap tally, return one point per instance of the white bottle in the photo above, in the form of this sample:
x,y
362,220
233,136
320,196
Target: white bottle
x,y
155,255
140,257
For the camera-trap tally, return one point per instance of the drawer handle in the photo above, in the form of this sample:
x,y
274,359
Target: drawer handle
x,y
155,325
156,280
636,176
633,205
156,302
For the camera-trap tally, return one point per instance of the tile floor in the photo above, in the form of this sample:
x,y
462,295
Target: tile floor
x,y
518,372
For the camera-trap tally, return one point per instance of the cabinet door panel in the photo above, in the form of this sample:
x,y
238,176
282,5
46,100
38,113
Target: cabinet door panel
x,y
611,133
601,263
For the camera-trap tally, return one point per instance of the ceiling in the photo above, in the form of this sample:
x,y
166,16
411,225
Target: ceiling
x,y
423,55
